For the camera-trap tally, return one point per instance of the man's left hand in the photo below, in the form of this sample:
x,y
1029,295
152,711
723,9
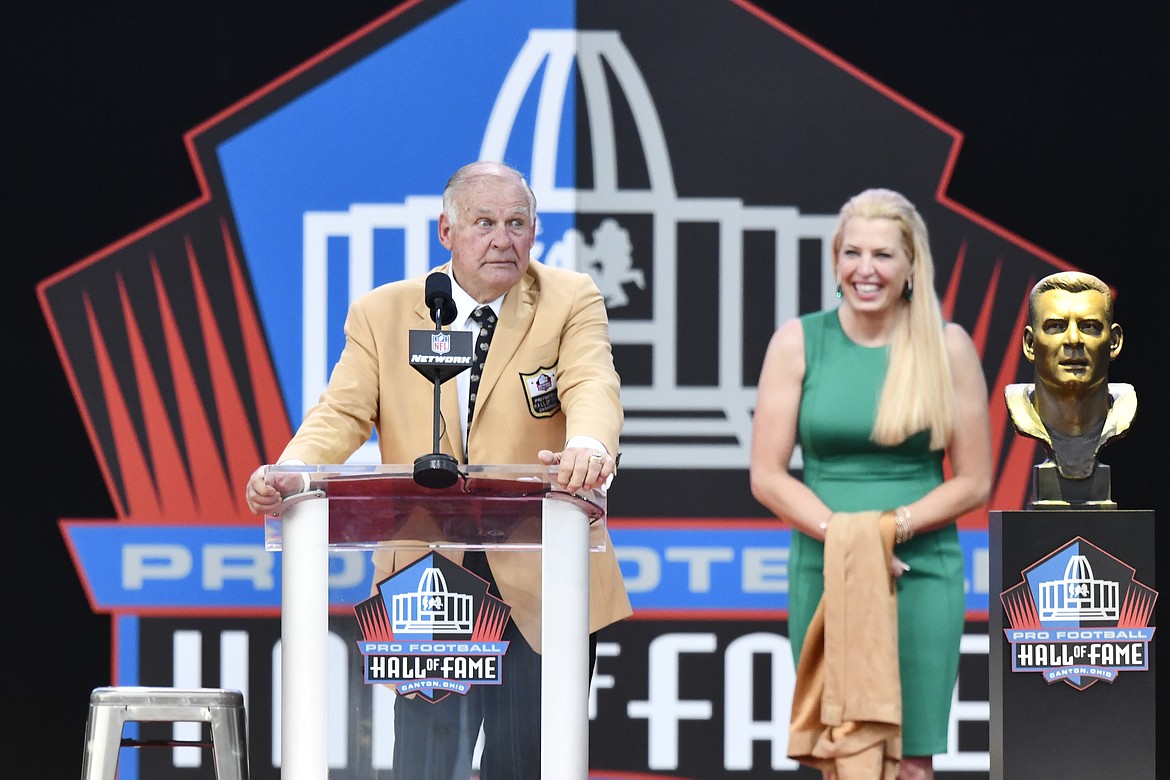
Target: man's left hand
x,y
580,467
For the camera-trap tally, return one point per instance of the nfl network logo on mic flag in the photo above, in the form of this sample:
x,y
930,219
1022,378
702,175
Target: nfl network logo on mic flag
x,y
440,343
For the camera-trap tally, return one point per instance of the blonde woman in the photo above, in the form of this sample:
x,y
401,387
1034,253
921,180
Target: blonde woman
x,y
876,391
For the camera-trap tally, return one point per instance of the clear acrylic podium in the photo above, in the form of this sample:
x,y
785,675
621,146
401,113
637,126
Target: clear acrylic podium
x,y
349,507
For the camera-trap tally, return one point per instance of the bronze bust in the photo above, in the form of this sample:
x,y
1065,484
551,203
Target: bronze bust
x,y
1070,339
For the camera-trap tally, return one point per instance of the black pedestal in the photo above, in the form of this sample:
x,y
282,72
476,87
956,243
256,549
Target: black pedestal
x,y
1071,650
1052,491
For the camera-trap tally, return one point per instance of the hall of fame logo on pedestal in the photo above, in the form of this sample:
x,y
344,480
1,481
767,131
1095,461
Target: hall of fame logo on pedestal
x,y
1079,616
432,629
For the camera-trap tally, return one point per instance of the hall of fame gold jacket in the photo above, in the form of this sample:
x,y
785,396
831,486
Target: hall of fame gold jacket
x,y
552,322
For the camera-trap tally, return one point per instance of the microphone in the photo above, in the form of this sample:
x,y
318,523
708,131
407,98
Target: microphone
x,y
439,355
439,300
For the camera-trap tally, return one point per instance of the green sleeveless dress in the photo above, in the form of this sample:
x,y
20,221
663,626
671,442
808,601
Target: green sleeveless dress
x,y
850,473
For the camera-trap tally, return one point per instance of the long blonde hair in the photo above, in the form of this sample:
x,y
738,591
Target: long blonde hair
x,y
917,394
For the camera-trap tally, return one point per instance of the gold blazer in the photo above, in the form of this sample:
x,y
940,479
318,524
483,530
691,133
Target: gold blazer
x,y
551,319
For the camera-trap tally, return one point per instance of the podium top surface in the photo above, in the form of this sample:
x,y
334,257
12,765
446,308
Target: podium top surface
x,y
488,506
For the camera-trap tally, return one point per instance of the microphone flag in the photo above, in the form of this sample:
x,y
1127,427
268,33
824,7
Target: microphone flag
x,y
440,354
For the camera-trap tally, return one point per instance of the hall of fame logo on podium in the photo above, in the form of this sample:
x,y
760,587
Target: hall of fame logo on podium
x,y
1079,616
432,629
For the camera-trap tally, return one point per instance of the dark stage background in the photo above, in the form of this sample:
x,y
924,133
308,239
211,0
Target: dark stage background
x,y
1062,111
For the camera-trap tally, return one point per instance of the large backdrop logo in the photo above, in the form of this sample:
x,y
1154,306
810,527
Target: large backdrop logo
x,y
194,346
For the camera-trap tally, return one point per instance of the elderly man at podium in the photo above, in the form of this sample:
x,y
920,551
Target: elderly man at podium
x,y
541,319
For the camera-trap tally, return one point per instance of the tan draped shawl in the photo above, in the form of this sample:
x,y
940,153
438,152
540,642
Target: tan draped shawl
x,y
847,705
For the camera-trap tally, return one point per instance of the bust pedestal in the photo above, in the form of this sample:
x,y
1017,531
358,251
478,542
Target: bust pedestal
x,y
1052,491
1071,653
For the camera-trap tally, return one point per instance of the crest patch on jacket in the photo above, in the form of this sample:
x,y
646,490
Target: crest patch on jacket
x,y
540,388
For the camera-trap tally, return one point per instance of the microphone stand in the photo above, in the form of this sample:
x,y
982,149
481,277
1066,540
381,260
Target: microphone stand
x,y
436,469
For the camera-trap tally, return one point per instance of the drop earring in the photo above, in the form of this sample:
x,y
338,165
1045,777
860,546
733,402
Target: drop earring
x,y
908,291
838,288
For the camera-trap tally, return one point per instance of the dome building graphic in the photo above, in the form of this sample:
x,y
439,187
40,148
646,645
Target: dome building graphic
x,y
1078,596
634,246
432,609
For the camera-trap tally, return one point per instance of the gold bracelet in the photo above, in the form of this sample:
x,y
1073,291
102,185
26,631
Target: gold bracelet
x,y
904,531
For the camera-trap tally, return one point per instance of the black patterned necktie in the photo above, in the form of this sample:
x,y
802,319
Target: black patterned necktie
x,y
487,325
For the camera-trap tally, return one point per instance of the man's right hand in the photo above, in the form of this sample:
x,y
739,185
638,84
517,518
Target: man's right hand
x,y
267,490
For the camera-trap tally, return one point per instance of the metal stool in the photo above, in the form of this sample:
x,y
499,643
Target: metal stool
x,y
110,708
